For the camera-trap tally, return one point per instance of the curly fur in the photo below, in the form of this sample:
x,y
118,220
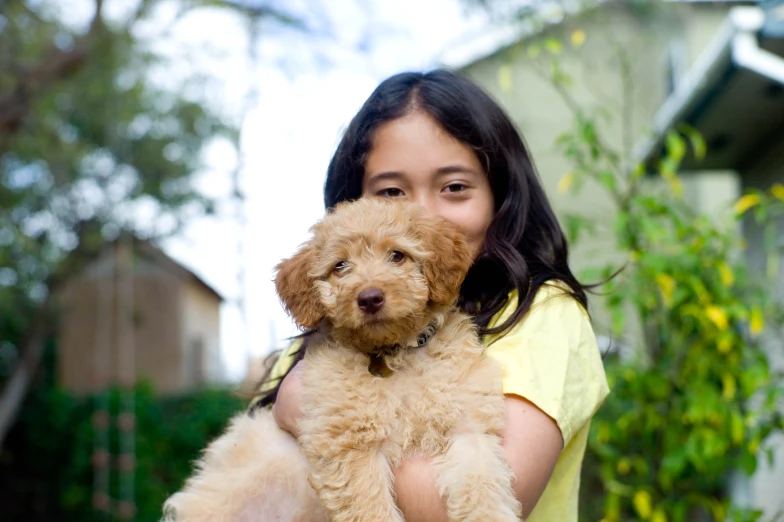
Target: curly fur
x,y
442,401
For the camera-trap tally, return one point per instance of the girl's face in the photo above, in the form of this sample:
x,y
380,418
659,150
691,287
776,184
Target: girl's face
x,y
414,158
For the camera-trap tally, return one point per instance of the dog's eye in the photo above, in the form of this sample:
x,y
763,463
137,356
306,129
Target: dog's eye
x,y
340,266
397,256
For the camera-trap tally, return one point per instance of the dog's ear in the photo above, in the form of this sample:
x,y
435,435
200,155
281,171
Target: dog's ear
x,y
450,259
297,290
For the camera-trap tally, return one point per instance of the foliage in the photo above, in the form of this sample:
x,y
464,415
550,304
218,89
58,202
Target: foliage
x,y
85,141
699,400
694,398
93,141
46,468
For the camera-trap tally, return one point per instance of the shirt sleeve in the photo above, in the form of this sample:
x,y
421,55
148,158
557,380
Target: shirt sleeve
x,y
551,359
279,368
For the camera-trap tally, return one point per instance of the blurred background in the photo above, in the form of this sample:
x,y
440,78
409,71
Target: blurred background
x,y
159,157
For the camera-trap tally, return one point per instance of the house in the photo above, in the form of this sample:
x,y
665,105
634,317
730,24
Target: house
x,y
718,66
734,96
135,314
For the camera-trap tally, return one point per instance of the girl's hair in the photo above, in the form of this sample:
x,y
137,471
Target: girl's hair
x,y
524,247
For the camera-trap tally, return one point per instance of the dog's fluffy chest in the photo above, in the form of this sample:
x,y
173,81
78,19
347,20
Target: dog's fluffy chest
x,y
415,409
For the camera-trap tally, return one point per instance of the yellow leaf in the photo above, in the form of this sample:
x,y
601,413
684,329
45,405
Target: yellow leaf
x,y
737,429
718,317
566,182
612,507
578,38
778,191
718,511
745,203
727,277
505,78
659,516
725,343
623,466
667,285
639,171
729,387
604,433
642,503
754,445
756,322
676,185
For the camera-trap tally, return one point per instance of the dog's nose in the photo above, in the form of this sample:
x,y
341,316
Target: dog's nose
x,y
370,301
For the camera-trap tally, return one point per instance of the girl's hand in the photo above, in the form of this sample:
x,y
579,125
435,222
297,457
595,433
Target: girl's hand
x,y
287,408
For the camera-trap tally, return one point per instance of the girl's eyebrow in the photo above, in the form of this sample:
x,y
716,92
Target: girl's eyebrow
x,y
441,171
386,175
453,169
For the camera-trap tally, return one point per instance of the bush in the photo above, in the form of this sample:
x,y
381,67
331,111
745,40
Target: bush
x,y
696,399
46,468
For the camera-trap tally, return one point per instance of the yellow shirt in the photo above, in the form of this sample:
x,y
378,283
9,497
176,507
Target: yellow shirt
x,y
551,359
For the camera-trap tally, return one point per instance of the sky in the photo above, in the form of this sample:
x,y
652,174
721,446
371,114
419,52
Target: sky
x,y
304,90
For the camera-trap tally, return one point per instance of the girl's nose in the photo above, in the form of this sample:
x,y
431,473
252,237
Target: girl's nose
x,y
426,201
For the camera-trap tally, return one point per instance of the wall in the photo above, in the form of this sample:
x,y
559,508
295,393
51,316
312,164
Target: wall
x,y
89,342
542,115
200,332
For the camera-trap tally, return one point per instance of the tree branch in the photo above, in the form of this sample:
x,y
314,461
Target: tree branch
x,y
32,347
16,388
56,65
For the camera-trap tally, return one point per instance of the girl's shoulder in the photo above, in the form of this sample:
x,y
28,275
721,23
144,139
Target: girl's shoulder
x,y
551,358
552,304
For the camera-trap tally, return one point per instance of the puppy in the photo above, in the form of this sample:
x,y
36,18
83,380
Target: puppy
x,y
392,370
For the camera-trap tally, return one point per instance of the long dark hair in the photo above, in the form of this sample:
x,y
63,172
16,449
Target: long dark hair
x,y
525,246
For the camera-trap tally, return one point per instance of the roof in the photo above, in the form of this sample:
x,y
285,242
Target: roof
x,y
157,255
489,40
141,247
734,93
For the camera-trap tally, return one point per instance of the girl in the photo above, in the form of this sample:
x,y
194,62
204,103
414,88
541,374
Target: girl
x,y
437,139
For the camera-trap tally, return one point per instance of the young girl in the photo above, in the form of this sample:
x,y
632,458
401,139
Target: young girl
x,y
437,139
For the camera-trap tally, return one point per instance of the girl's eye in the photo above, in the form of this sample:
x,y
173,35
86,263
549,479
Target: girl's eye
x,y
340,267
397,256
390,192
454,188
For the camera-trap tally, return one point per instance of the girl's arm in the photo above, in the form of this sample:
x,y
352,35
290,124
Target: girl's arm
x,y
287,408
532,443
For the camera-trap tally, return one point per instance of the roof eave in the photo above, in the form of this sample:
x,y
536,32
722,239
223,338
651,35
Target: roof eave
x,y
735,47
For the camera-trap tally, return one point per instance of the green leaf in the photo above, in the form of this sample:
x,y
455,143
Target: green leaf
x,y
676,147
748,463
553,46
695,138
607,179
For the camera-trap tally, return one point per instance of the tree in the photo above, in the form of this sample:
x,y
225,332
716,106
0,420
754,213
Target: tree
x,y
88,143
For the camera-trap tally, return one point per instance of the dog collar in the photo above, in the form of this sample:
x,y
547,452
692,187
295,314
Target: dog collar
x,y
378,365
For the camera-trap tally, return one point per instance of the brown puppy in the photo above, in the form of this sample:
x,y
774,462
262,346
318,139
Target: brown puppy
x,y
392,371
